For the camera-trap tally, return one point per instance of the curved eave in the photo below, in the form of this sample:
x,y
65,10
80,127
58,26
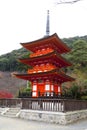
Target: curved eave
x,y
52,41
52,57
52,75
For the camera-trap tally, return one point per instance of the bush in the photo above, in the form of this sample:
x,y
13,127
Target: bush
x,y
84,97
25,92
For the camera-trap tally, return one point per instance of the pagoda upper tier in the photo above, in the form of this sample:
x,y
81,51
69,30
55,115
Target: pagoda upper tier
x,y
52,58
53,42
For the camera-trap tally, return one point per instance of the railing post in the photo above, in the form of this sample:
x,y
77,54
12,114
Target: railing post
x,y
41,104
64,105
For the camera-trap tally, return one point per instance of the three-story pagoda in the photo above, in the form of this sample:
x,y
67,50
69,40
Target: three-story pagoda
x,y
46,61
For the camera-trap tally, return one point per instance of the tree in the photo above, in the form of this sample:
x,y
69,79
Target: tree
x,y
25,92
78,55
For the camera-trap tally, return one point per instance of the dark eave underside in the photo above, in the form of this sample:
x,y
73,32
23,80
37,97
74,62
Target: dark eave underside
x,y
52,75
52,57
52,41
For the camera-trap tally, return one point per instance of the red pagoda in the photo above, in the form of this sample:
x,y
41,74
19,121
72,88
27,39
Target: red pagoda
x,y
46,61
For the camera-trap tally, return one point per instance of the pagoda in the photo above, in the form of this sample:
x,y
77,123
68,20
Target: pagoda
x,y
47,61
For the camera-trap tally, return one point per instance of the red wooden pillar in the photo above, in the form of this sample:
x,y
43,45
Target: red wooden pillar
x,y
59,89
41,84
52,89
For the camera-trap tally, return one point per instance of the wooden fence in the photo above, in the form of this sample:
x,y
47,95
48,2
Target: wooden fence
x,y
57,105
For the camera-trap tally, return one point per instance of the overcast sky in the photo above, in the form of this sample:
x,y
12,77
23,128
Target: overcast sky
x,y
25,20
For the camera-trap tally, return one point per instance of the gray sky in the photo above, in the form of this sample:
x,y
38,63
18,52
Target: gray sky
x,y
25,20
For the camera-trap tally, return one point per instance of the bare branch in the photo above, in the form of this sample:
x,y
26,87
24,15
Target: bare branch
x,y
67,2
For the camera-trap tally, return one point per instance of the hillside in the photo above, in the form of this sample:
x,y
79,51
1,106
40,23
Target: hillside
x,y
9,63
9,83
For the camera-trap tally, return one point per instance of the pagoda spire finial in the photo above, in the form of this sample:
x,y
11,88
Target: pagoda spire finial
x,y
47,24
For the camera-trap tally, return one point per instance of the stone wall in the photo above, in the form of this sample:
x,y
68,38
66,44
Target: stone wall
x,y
47,116
75,116
53,117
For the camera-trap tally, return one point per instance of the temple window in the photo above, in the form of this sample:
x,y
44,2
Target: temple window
x,y
47,87
34,87
34,94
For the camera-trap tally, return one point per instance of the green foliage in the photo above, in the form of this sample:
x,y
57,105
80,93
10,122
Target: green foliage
x,y
72,91
75,90
84,97
9,61
25,92
78,55
70,41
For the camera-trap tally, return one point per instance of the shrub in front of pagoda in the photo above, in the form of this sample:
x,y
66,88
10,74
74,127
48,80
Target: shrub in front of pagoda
x,y
25,93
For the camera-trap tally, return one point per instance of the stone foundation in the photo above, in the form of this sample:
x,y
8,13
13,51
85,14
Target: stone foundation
x,y
47,116
53,117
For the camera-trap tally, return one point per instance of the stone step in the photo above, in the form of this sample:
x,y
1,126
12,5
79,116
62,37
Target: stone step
x,y
3,110
12,116
15,108
12,112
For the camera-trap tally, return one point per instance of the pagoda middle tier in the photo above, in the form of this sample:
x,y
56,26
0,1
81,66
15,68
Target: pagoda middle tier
x,y
43,59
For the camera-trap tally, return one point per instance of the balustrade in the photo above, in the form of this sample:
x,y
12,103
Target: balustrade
x,y
46,104
41,68
41,52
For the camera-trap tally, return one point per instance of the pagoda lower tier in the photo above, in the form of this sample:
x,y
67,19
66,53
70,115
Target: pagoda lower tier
x,y
46,83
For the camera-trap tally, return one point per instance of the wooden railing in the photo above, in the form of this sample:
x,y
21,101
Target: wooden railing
x,y
11,102
73,105
42,95
44,104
